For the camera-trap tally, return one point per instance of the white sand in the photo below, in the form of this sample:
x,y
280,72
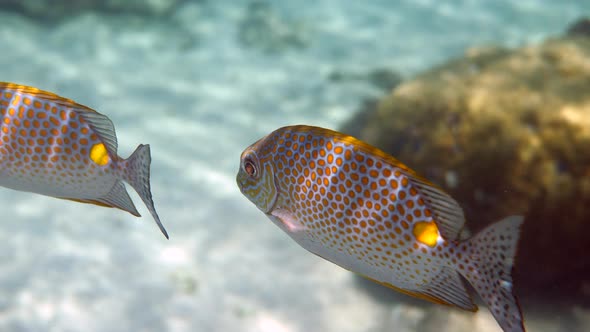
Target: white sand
x,y
74,267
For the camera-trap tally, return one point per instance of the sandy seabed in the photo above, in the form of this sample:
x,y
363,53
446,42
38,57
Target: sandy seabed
x,y
187,87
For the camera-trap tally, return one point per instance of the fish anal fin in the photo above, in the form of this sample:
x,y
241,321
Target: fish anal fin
x,y
116,198
88,201
447,286
422,295
119,198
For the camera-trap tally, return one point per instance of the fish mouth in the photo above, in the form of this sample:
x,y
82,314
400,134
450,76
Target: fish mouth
x,y
240,185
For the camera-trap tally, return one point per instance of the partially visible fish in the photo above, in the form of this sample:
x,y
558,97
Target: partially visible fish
x,y
54,146
362,209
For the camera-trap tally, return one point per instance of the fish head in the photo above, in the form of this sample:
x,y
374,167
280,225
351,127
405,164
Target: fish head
x,y
256,176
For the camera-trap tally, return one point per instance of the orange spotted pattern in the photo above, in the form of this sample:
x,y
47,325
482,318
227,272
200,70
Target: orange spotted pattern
x,y
360,208
45,146
53,146
356,204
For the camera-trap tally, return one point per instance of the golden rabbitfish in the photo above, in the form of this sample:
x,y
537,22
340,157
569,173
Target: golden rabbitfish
x,y
53,146
362,209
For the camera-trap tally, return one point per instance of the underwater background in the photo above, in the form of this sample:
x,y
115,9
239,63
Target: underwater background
x,y
200,80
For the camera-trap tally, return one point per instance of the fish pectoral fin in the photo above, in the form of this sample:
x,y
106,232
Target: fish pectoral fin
x,y
286,220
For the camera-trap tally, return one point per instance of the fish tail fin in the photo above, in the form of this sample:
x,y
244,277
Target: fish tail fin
x,y
136,172
492,253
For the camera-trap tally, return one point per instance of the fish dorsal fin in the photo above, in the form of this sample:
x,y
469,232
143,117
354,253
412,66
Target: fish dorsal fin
x,y
45,95
119,198
101,124
447,213
103,127
448,287
50,96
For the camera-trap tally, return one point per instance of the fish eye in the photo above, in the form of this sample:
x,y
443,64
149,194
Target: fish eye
x,y
250,167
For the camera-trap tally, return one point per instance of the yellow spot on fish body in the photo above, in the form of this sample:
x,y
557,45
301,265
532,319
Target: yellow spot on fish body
x,y
99,154
426,233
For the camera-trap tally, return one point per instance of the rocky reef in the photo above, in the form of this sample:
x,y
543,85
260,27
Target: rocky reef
x,y
505,132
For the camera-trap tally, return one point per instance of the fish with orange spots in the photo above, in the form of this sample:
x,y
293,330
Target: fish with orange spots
x,y
362,209
54,146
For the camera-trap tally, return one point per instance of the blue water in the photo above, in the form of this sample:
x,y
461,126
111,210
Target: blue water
x,y
190,88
